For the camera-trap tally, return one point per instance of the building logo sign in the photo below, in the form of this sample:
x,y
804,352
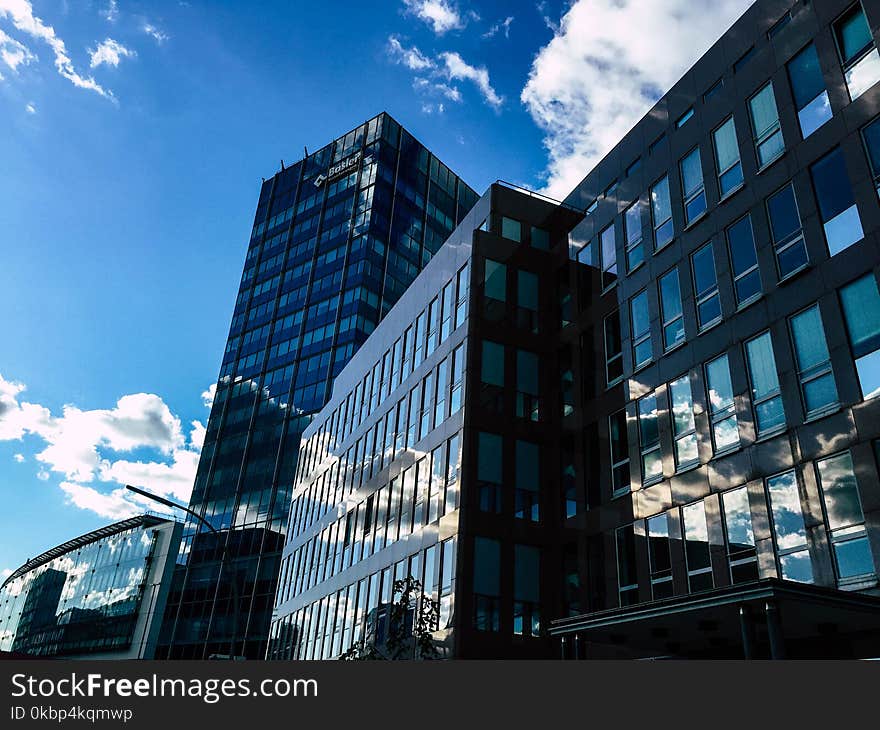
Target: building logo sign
x,y
339,169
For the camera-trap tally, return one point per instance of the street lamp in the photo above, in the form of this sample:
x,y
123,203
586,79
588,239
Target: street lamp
x,y
216,532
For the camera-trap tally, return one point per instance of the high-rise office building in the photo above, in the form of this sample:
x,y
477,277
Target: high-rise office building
x,y
337,238
658,437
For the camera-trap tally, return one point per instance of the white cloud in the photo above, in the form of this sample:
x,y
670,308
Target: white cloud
x,y
111,12
412,58
84,446
541,7
435,75
116,505
5,573
158,35
441,15
30,108
503,25
175,479
197,435
109,52
209,394
608,62
14,53
437,88
21,14
457,68
19,458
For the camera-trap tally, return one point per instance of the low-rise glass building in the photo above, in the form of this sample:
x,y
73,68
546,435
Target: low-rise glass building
x,y
98,596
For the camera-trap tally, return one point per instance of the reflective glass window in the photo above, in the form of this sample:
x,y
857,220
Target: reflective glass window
x,y
608,252
692,188
649,439
661,212
858,56
837,205
766,395
789,530
632,224
818,389
670,310
808,88
696,547
722,407
640,325
744,261
727,158
787,232
706,287
765,125
861,312
619,443
613,348
741,551
844,517
683,425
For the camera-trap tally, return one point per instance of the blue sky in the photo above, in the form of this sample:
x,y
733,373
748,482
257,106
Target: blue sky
x,y
133,137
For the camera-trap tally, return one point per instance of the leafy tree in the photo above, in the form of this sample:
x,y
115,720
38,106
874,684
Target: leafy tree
x,y
411,620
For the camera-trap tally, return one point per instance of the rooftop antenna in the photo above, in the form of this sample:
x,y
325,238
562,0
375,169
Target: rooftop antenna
x,y
282,165
305,151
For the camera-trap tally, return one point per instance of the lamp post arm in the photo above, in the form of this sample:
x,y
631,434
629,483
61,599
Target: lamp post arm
x,y
173,505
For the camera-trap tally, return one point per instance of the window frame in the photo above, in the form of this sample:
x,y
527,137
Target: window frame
x,y
815,372
654,448
774,394
657,226
665,322
633,244
792,239
700,298
726,413
689,197
642,337
688,433
752,269
720,173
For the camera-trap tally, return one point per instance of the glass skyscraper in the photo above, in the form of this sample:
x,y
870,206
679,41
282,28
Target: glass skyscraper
x,y
337,238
